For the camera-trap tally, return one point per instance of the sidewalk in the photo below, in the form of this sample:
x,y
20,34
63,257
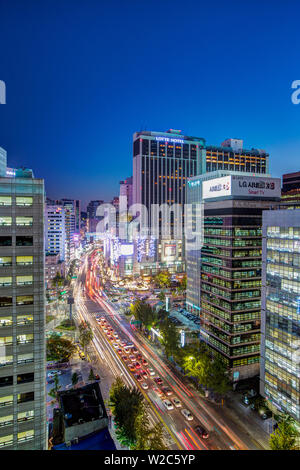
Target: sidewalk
x,y
247,418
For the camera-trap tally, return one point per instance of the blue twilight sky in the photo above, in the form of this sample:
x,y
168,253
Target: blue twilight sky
x,y
83,75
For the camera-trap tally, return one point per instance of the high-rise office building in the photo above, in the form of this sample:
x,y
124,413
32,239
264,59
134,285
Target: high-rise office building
x,y
280,339
229,268
22,316
162,162
55,230
193,251
228,159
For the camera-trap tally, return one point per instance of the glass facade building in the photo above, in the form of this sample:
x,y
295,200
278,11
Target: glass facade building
x,y
22,314
280,340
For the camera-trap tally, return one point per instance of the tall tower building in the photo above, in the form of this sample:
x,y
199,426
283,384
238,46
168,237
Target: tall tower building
x,y
162,163
228,268
22,315
72,224
3,162
92,218
290,196
55,234
280,339
126,190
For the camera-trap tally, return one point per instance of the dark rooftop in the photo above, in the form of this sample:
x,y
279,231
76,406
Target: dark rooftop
x,y
82,405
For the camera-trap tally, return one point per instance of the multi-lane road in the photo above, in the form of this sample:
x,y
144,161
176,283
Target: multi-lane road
x,y
179,433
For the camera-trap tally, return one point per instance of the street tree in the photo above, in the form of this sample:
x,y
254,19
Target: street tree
x,y
85,335
199,366
54,391
170,337
182,285
148,437
75,379
285,435
144,313
91,377
219,379
59,348
125,404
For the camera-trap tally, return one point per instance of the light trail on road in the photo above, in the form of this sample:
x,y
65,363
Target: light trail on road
x,y
185,437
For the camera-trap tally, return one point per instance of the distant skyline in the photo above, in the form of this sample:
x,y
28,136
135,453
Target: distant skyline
x,y
82,77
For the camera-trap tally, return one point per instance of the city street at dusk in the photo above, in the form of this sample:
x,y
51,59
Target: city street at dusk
x,y
149,231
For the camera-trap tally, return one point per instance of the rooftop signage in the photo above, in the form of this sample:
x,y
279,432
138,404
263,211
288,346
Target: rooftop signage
x,y
170,139
244,186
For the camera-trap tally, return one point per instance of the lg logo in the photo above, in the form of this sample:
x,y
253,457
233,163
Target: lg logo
x,y
2,92
296,94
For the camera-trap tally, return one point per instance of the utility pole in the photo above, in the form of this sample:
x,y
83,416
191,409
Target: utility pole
x,y
70,302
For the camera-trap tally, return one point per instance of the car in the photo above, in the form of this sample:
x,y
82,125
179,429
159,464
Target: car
x,y
135,351
115,334
151,371
201,431
144,385
167,391
119,351
187,414
105,329
144,362
139,356
123,344
125,358
176,402
138,377
110,338
137,365
144,374
158,391
53,373
131,367
117,340
158,380
168,404
115,345
132,357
